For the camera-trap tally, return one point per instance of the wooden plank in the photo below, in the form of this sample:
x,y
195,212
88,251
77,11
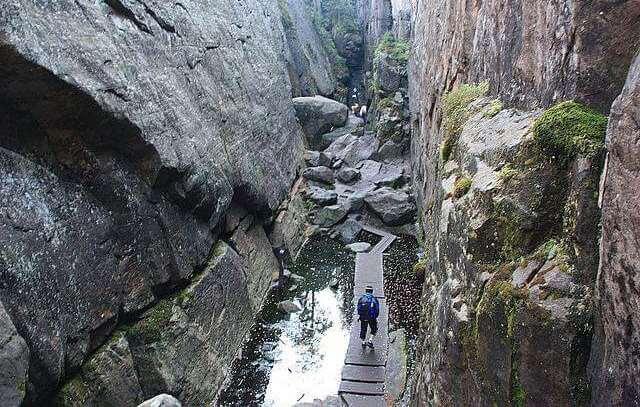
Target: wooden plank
x,y
356,400
363,373
371,389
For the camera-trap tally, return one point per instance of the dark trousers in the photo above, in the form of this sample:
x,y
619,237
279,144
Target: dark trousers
x,y
373,324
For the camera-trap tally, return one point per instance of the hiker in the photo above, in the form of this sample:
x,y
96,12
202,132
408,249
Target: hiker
x,y
368,311
355,109
363,113
280,254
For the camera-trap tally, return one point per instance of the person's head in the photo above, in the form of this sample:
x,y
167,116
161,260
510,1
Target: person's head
x,y
368,289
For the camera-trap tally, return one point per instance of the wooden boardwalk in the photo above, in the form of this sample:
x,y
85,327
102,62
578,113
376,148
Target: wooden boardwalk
x,y
363,374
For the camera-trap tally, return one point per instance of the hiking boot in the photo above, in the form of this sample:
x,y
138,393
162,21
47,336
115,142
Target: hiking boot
x,y
370,344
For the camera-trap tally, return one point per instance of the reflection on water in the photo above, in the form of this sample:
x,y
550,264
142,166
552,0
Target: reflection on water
x,y
298,357
309,357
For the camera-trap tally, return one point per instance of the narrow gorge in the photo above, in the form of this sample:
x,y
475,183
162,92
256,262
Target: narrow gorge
x,y
190,189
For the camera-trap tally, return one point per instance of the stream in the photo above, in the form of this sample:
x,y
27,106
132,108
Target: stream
x,y
298,357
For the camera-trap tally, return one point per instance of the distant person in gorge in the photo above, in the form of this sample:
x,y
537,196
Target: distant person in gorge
x,y
368,311
363,113
355,109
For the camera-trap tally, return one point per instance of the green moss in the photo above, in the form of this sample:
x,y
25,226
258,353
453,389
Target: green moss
x,y
461,187
397,49
448,145
420,267
149,329
456,106
494,108
184,297
75,392
385,103
569,129
508,172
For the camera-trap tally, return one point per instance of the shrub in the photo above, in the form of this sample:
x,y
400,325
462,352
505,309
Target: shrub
x,y
397,49
461,187
508,172
569,129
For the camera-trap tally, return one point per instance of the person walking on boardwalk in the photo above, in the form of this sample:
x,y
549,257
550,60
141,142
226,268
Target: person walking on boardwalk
x,y
368,311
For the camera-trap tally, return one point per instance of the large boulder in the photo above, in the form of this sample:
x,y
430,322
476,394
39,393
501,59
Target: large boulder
x,y
352,149
354,126
14,363
329,215
394,207
348,175
318,114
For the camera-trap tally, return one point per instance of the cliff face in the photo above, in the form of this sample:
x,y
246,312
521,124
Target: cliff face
x,y
126,130
615,362
489,215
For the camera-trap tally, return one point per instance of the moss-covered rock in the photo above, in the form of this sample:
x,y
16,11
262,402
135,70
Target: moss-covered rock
x,y
569,129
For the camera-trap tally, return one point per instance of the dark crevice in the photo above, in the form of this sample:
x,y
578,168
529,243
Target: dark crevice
x,y
125,12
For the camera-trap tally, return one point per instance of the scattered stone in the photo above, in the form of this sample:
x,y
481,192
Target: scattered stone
x,y
319,174
329,215
522,274
348,230
359,247
389,175
161,400
347,175
322,196
392,206
317,159
289,306
318,114
354,126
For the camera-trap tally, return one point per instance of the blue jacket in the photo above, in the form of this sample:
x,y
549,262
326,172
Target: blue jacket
x,y
368,307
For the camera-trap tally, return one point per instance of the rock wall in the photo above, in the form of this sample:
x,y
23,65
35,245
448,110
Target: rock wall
x,y
615,362
532,54
309,66
124,137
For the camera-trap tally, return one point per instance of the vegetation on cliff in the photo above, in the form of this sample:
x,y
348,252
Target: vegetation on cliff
x,y
569,129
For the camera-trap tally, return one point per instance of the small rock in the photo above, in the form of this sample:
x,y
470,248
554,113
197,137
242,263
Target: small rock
x,y
347,175
289,306
319,174
161,400
336,164
359,247
321,196
317,159
522,274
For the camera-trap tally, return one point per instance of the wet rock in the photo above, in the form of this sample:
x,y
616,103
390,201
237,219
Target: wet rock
x,y
318,115
161,400
317,159
348,175
329,215
359,247
289,306
349,230
14,362
319,174
322,196
392,206
396,371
